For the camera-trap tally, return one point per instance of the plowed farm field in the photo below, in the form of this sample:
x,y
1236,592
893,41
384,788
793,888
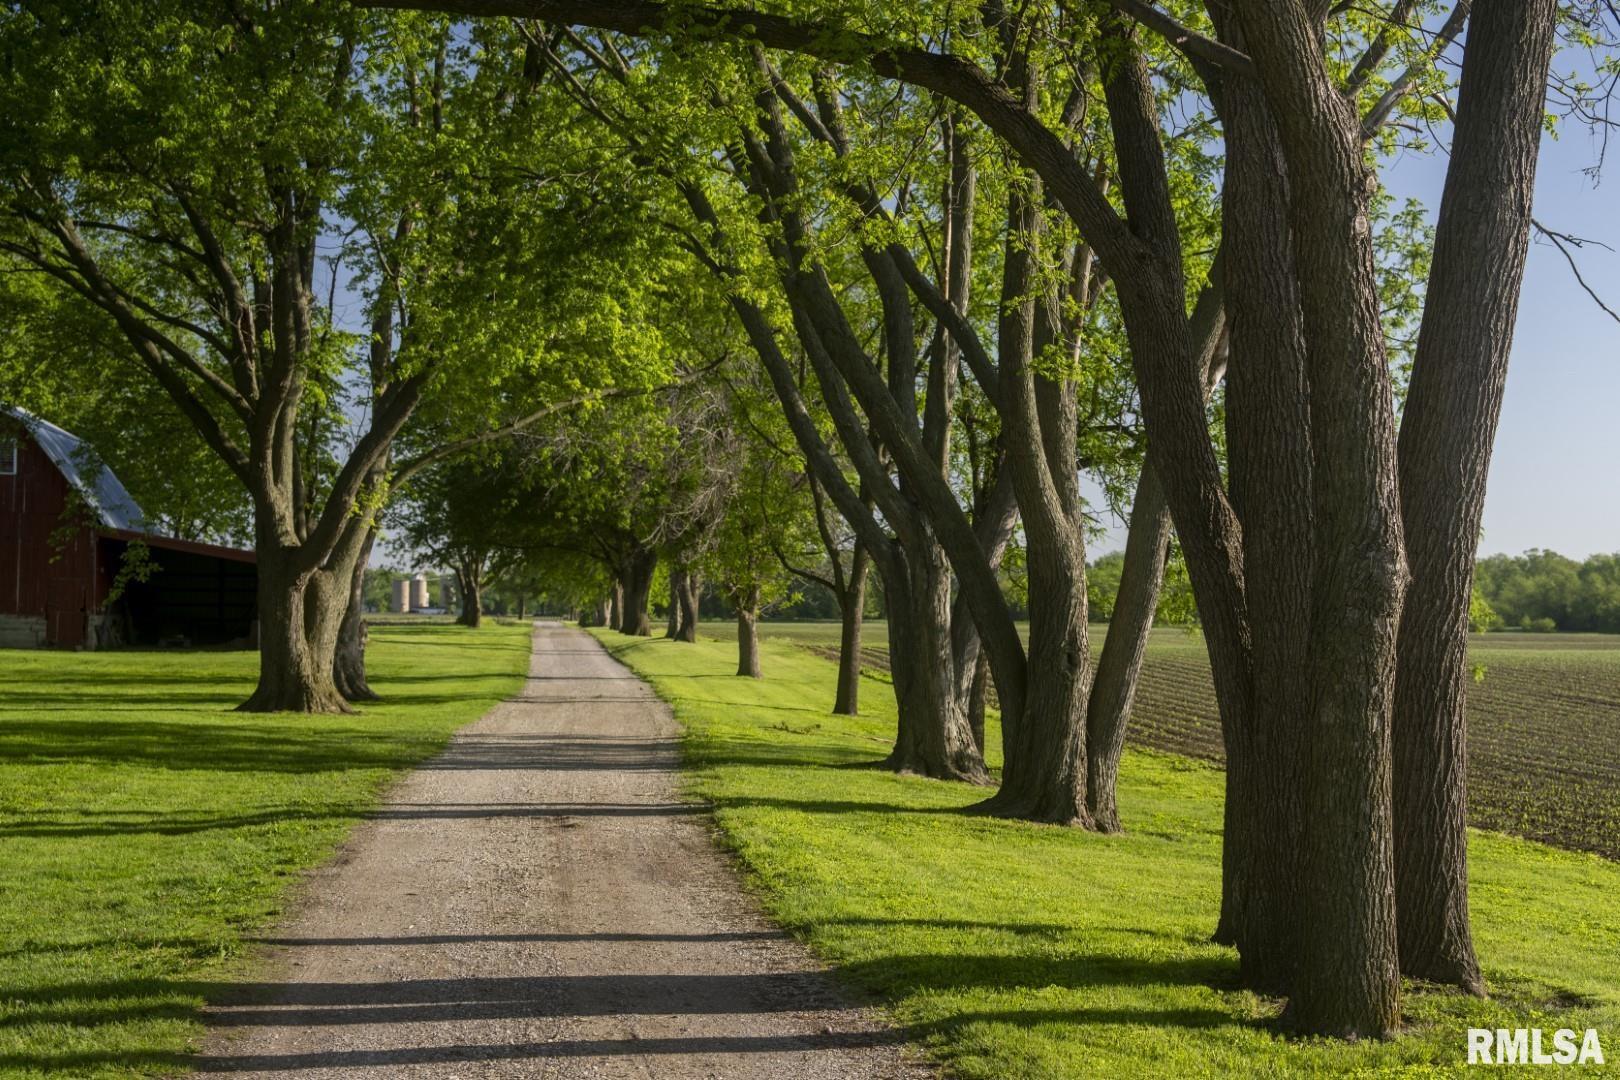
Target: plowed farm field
x,y
1543,722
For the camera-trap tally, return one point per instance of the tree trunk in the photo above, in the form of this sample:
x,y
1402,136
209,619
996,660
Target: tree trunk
x,y
299,617
1269,450
1447,432
933,737
616,606
349,664
1347,983
691,593
1147,544
1043,735
852,603
994,522
470,574
978,698
1043,775
746,602
638,577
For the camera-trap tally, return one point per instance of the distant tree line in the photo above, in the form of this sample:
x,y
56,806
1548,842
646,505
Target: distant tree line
x,y
1543,590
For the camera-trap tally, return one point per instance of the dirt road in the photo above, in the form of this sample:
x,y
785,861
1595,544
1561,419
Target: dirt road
x,y
537,902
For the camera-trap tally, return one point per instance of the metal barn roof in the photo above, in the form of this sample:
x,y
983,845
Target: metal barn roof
x,y
114,507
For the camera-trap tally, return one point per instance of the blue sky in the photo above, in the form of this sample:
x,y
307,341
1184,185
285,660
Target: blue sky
x,y
1555,475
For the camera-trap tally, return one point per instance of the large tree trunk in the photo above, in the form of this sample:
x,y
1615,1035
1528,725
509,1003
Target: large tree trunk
x,y
638,576
746,602
691,593
1268,444
1347,982
349,665
616,606
470,575
933,737
299,616
1147,545
1447,432
1043,735
852,613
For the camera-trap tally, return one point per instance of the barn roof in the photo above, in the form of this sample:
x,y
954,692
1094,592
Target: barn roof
x,y
114,507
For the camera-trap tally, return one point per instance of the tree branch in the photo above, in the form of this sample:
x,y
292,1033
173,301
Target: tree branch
x,y
1559,240
1381,109
1195,46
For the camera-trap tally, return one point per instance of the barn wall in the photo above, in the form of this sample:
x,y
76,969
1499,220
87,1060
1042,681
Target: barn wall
x,y
48,574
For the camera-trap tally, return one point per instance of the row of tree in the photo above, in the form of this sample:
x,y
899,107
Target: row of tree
x,y
615,284
1543,590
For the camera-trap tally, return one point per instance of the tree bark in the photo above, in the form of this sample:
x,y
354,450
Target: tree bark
x,y
1347,983
852,613
933,738
1043,736
616,606
638,575
746,601
978,699
299,617
994,522
1447,431
349,663
470,575
690,595
1269,451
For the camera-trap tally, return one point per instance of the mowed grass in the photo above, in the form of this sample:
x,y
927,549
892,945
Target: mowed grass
x,y
1543,722
1023,951
146,830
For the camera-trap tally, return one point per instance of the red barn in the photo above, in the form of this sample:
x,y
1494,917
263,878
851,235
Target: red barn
x,y
66,524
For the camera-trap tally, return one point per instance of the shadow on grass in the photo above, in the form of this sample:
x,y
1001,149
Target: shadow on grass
x,y
184,823
730,999
834,806
227,745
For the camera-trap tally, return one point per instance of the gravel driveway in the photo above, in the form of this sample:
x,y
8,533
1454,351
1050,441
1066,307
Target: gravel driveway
x,y
538,902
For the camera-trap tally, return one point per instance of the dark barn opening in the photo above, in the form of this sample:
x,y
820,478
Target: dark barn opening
x,y
197,595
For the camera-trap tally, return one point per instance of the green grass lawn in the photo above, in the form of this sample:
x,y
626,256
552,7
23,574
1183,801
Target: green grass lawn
x,y
1015,950
146,830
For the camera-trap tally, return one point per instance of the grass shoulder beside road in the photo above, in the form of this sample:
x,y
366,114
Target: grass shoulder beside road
x,y
146,830
1023,951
